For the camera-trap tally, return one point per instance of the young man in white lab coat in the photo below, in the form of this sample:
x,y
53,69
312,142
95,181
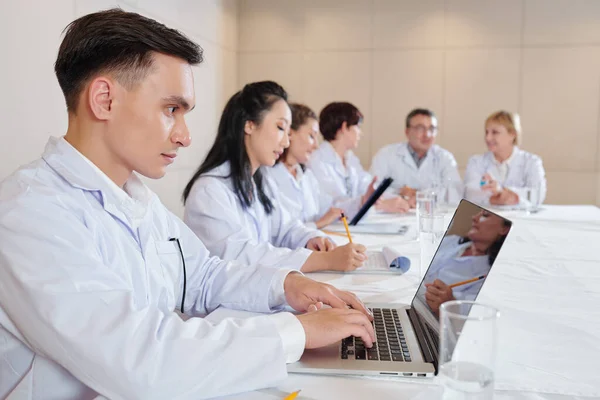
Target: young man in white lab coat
x,y
93,268
419,163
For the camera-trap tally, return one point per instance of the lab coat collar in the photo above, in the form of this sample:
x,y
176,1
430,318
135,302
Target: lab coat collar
x,y
223,171
509,160
280,169
334,158
129,205
405,156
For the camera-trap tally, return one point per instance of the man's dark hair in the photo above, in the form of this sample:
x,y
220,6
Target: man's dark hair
x,y
118,42
419,111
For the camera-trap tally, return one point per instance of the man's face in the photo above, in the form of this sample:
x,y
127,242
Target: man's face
x,y
421,132
147,126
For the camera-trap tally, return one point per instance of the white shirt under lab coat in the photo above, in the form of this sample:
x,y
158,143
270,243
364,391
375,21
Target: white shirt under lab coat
x,y
438,169
450,267
345,185
520,171
89,282
215,214
300,195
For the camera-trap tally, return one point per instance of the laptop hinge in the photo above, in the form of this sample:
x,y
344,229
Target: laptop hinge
x,y
423,337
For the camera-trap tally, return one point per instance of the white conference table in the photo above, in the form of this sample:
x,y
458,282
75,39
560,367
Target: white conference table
x,y
546,284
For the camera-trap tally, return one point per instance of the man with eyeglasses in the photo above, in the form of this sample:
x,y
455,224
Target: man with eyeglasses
x,y
419,163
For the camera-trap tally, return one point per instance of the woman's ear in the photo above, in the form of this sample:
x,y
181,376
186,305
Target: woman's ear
x,y
249,127
342,130
514,135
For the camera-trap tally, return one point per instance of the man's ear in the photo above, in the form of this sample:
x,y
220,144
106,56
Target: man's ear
x,y
100,97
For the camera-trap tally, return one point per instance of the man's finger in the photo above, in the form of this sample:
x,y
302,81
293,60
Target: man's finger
x,y
331,299
365,328
355,303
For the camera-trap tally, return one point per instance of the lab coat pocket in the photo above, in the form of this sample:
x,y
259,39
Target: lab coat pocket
x,y
170,260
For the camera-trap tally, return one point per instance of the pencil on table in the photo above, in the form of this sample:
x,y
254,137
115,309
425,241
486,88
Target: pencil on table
x,y
346,226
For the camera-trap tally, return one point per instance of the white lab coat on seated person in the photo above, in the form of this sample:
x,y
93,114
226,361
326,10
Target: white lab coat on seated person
x,y
438,169
449,267
301,196
217,217
523,169
345,185
89,283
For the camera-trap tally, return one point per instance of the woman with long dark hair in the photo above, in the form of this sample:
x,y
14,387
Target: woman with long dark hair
x,y
236,211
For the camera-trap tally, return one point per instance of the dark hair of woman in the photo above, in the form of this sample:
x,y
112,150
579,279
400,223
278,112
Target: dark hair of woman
x,y
249,104
494,249
333,116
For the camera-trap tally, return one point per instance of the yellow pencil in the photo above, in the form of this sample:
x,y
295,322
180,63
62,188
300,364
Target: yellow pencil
x,y
334,233
292,396
467,281
346,226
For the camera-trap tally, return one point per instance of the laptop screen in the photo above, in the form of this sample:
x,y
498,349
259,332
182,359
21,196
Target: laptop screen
x,y
462,261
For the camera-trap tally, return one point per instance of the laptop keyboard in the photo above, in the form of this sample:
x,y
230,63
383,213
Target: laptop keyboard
x,y
391,342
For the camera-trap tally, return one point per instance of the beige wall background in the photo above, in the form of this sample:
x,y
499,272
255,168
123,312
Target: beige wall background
x,y
32,106
463,59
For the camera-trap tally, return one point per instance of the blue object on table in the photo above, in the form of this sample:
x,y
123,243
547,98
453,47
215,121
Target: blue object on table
x,y
402,263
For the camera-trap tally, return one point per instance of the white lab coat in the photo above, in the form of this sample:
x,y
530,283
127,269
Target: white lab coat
x,y
89,283
229,231
438,169
301,195
524,170
449,267
329,170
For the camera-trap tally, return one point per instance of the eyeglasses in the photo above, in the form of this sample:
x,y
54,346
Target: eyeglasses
x,y
420,129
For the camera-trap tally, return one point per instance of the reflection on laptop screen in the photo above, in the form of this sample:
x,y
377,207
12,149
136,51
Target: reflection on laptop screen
x,y
463,259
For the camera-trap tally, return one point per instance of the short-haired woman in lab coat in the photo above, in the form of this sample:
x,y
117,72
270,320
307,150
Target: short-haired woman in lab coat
x,y
298,186
459,259
502,175
337,168
236,211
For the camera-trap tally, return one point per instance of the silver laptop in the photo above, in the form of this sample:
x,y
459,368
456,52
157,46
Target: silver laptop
x,y
408,336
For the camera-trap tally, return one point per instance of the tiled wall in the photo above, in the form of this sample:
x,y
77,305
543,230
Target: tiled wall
x,y
32,107
462,58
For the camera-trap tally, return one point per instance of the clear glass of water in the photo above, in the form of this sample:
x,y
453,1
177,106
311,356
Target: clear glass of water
x,y
444,198
532,199
468,341
426,202
431,231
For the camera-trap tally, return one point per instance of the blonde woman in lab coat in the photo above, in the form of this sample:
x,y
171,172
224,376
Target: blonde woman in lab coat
x,y
337,168
462,258
236,211
298,186
501,176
